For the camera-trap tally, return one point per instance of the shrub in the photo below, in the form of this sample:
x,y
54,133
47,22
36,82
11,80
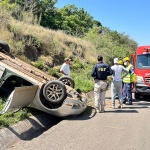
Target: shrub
x,y
39,64
83,79
54,72
76,65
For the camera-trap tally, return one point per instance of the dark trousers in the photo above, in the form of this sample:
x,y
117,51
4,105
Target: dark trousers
x,y
127,92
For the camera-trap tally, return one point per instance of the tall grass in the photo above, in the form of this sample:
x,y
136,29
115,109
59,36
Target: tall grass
x,y
81,73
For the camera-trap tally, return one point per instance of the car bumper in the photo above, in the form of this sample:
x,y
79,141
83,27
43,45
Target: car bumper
x,y
143,89
72,107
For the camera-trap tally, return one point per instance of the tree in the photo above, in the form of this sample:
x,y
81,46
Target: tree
x,y
73,20
111,43
41,9
76,21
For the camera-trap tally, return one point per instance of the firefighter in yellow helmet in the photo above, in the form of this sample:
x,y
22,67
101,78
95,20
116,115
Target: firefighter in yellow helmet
x,y
120,62
126,59
128,81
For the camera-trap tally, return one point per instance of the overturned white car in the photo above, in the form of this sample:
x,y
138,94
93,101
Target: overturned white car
x,y
23,85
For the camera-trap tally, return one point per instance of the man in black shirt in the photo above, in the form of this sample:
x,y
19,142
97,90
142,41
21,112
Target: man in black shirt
x,y
100,72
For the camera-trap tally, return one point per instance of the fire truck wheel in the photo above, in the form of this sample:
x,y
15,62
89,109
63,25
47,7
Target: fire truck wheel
x,y
55,92
136,96
67,81
4,47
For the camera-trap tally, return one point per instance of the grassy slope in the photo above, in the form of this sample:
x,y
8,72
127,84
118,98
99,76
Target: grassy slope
x,y
43,42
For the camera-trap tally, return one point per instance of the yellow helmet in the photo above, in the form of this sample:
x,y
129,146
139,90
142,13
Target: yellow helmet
x,y
126,59
120,62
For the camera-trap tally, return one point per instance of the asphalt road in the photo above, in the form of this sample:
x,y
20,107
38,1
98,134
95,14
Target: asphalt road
x,y
116,129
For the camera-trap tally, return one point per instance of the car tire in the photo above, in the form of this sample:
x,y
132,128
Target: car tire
x,y
67,81
4,47
136,96
54,92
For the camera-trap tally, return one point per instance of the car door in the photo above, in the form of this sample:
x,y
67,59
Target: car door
x,y
20,97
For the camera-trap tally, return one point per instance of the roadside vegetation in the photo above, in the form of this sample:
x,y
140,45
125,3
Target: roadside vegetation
x,y
14,116
43,35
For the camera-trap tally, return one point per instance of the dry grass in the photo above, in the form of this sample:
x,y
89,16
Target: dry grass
x,y
53,42
48,42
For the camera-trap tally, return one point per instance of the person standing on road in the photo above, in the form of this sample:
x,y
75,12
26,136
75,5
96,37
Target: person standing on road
x,y
65,69
100,72
121,63
128,81
116,84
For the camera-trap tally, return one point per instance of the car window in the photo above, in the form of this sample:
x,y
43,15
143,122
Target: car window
x,y
9,81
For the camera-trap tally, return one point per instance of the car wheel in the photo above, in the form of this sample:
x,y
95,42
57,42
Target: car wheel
x,y
67,81
54,92
4,47
136,96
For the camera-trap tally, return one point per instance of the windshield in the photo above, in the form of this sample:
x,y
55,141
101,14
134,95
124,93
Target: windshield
x,y
143,61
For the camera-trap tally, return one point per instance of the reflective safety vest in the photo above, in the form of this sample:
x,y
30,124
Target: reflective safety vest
x,y
130,77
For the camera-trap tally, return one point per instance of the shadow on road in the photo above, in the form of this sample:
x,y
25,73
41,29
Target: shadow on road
x,y
39,124
131,108
89,113
108,97
143,101
138,107
122,111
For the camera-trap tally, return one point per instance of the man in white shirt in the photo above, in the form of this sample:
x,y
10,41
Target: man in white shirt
x,y
65,69
116,84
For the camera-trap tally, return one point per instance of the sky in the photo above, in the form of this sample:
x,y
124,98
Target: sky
x,y
131,17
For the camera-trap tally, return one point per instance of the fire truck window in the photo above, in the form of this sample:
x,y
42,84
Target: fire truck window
x,y
143,61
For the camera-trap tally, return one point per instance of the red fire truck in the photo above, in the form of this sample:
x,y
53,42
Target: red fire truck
x,y
141,62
